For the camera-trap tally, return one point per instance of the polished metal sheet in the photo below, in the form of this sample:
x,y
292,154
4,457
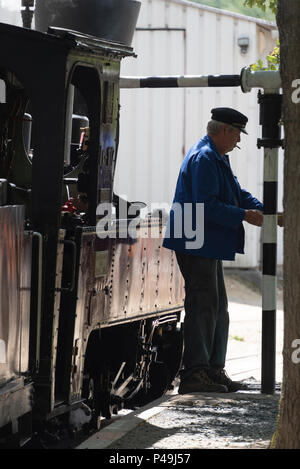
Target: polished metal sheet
x,y
58,285
121,280
25,291
92,306
11,241
144,277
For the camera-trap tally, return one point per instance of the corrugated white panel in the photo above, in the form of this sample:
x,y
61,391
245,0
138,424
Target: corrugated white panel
x,y
168,122
173,16
158,14
151,122
10,12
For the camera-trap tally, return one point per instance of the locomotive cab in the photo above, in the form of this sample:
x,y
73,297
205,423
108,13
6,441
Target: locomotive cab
x,y
100,308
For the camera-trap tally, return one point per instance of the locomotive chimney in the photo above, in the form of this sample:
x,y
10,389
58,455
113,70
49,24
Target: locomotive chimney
x,y
114,20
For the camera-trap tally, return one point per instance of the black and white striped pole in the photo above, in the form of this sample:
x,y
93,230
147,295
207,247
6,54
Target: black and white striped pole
x,y
187,81
270,114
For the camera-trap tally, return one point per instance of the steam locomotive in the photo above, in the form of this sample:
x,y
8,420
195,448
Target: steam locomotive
x,y
90,316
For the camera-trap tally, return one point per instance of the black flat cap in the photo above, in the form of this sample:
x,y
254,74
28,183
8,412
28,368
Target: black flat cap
x,y
230,116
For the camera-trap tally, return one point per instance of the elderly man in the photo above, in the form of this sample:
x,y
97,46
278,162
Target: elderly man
x,y
206,178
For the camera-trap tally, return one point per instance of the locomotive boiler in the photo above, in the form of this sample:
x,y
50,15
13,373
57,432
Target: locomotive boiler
x,y
89,313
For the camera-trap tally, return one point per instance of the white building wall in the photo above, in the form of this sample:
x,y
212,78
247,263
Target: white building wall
x,y
184,38
10,12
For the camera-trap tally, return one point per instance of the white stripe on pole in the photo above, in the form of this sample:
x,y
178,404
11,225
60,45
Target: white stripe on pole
x,y
269,293
270,164
192,81
129,82
182,81
269,229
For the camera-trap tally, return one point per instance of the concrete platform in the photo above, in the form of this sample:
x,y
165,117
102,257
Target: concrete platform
x,y
194,421
244,346
154,425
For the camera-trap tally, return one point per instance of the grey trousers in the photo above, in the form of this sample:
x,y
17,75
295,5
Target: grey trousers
x,y
206,321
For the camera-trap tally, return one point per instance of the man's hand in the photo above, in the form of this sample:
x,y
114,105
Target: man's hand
x,y
254,217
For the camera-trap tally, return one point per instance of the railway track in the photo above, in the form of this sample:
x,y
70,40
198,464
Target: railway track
x,y
72,438
243,363
133,425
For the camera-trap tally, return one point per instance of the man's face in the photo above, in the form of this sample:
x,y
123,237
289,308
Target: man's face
x,y
231,137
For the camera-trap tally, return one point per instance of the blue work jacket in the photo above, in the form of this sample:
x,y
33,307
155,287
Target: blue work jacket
x,y
206,177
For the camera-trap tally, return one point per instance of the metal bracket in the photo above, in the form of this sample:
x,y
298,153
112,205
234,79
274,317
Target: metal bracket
x,y
27,11
270,143
269,80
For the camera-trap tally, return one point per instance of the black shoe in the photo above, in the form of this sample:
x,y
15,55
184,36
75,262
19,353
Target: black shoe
x,y
221,377
199,381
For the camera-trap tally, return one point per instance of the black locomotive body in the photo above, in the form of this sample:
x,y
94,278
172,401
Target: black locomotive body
x,y
89,315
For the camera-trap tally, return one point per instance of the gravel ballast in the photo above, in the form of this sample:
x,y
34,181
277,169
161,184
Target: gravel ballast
x,y
211,421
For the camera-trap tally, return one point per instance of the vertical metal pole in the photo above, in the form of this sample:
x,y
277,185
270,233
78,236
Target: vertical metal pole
x,y
27,10
270,113
69,115
268,358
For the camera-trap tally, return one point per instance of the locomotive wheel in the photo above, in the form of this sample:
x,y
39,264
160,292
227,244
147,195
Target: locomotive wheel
x,y
98,399
136,372
92,403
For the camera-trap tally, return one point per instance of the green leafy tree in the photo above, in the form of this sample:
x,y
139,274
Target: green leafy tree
x,y
273,59
240,7
263,4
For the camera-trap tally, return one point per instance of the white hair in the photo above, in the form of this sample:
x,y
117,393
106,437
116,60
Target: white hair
x,y
214,127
